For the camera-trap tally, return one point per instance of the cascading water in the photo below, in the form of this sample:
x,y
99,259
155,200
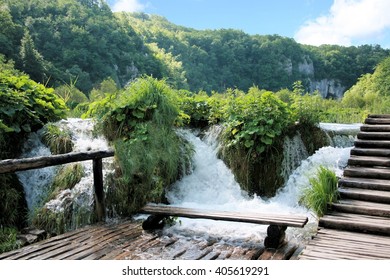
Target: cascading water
x,y
341,135
36,183
212,186
80,199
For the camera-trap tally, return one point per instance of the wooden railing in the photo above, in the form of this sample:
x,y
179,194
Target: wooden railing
x,y
13,165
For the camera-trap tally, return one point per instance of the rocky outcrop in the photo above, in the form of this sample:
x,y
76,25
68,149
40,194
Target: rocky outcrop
x,y
328,88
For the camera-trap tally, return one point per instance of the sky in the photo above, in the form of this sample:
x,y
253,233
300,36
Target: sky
x,y
312,22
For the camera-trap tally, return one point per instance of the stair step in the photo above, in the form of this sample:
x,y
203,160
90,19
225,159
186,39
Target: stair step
x,y
367,172
379,116
370,152
375,128
373,135
365,195
377,121
372,144
362,207
355,222
365,183
368,161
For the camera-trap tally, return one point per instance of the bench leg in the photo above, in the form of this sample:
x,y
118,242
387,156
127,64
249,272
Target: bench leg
x,y
154,222
275,236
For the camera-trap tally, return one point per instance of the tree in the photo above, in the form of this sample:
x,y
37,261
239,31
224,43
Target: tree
x,y
32,61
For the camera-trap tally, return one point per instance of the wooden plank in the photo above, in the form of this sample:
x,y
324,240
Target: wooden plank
x,y
347,224
320,253
365,183
353,235
372,144
48,244
366,172
369,240
380,121
368,161
375,128
371,135
364,194
362,207
284,220
385,116
13,165
285,252
84,243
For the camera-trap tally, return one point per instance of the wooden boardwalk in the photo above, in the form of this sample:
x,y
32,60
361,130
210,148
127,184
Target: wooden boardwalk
x,y
127,241
358,226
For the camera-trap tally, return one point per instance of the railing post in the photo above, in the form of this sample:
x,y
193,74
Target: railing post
x,y
98,186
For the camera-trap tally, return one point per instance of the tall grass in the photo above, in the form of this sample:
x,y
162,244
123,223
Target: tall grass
x,y
59,141
322,191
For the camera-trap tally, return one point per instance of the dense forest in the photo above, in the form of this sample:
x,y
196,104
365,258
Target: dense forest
x,y
82,43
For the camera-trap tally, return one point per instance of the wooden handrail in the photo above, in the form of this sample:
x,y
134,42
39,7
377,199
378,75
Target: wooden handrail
x,y
13,165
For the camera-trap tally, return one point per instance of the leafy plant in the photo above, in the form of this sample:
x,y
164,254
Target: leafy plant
x,y
254,120
26,105
322,191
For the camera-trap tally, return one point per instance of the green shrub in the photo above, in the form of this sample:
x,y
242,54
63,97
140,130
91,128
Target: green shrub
x,y
150,155
26,105
322,191
58,140
254,120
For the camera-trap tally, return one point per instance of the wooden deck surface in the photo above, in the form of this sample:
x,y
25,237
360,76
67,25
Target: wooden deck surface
x,y
127,241
331,244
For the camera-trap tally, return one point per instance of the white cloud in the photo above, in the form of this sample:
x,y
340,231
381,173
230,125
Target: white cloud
x,y
348,21
128,6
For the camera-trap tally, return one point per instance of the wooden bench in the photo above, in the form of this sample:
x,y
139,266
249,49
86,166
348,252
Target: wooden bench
x,y
275,231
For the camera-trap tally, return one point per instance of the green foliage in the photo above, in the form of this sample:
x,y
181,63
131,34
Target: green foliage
x,y
322,191
221,59
58,140
255,119
150,154
68,40
307,108
107,87
8,239
146,100
71,95
26,105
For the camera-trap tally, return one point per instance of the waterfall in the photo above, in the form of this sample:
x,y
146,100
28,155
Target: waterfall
x,y
79,200
341,135
35,182
294,151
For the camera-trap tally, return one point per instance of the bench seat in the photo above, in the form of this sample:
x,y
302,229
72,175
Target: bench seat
x,y
275,232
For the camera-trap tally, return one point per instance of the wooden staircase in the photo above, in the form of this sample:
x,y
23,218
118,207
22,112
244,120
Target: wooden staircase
x,y
364,204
